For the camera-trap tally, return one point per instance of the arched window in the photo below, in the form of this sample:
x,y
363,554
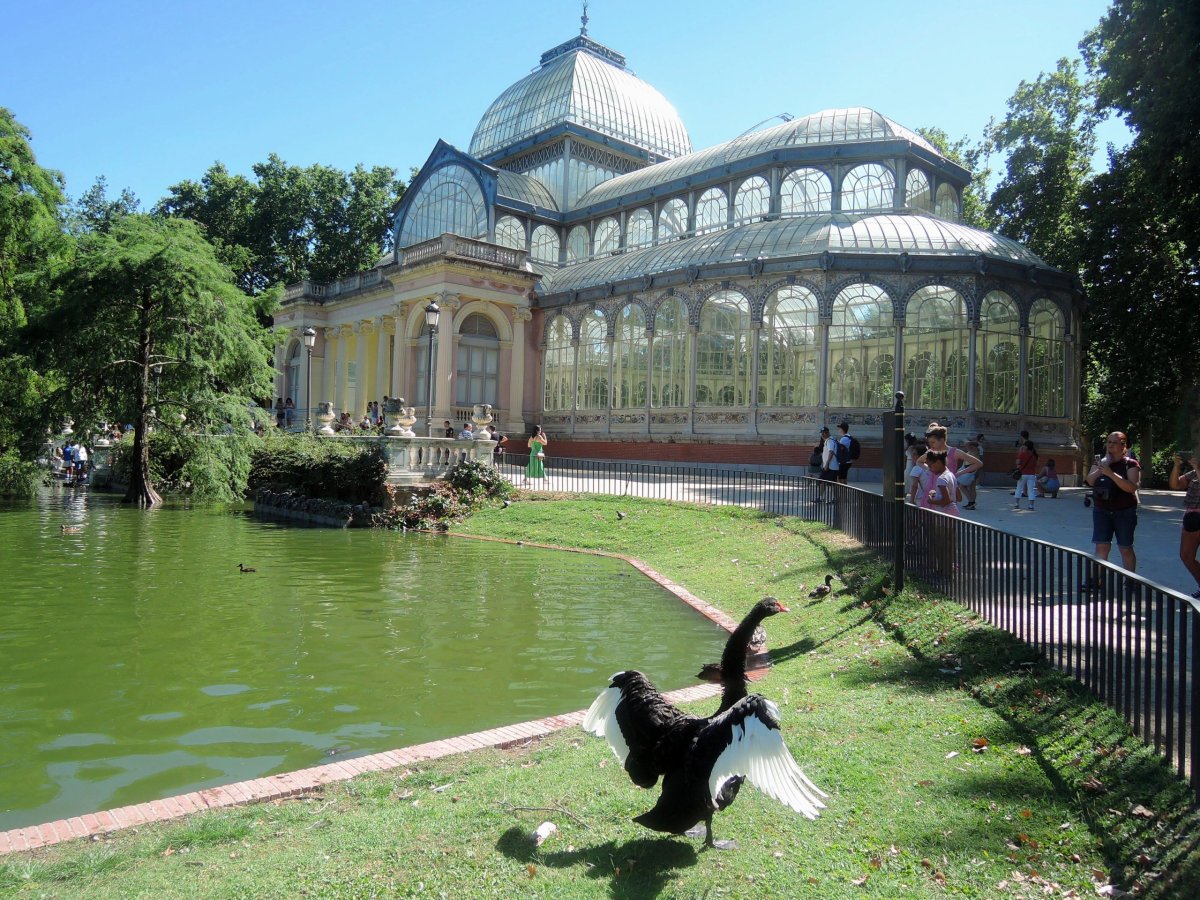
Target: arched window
x,y
578,243
608,236
788,350
669,375
449,201
560,366
478,362
997,354
723,345
630,346
916,191
947,203
712,211
1046,369
869,186
672,221
510,232
861,348
936,344
641,229
592,392
753,200
544,246
805,191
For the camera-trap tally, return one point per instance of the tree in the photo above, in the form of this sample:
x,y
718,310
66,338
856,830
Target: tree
x,y
151,329
32,245
95,212
290,223
1144,306
1145,58
974,206
1048,139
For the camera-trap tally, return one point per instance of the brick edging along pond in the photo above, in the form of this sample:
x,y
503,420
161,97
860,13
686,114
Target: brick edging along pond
x,y
290,784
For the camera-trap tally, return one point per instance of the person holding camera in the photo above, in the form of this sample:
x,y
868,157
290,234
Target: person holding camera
x,y
1189,535
1114,479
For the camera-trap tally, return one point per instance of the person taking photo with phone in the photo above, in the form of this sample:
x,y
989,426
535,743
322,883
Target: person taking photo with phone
x,y
1114,479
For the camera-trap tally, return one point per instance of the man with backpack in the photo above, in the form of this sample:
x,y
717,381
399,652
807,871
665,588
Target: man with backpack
x,y
847,449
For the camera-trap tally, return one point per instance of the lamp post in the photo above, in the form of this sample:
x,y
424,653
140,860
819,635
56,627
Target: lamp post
x,y
309,336
432,311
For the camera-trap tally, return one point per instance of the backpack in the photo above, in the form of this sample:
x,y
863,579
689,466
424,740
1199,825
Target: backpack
x,y
855,449
843,453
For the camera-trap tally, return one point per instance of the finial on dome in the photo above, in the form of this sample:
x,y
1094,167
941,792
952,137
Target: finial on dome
x,y
584,19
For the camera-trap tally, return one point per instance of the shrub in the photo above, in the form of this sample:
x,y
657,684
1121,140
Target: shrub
x,y
320,468
17,477
476,481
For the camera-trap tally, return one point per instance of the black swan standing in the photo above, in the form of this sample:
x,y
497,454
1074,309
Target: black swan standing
x,y
702,760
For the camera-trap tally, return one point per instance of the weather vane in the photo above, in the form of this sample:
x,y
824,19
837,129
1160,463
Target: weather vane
x,y
584,20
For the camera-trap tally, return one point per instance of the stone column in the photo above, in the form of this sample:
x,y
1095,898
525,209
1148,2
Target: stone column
x,y
516,382
443,400
362,331
281,365
329,379
396,383
343,364
382,359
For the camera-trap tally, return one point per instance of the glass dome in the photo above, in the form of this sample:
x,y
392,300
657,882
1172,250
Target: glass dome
x,y
581,87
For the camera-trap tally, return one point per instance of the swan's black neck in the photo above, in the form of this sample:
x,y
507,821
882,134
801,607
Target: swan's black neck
x,y
733,660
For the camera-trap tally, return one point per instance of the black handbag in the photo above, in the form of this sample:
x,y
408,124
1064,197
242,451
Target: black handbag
x,y
814,459
1015,474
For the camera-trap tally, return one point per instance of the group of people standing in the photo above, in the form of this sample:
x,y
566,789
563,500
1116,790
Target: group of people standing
x,y
939,476
73,461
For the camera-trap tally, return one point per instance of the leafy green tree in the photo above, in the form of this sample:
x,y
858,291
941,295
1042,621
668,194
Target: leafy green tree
x,y
289,223
95,212
1047,139
1145,58
32,246
152,330
971,157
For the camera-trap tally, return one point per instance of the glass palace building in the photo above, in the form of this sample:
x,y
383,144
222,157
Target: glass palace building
x,y
644,300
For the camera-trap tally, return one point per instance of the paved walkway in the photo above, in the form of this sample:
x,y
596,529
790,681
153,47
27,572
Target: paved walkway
x,y
1067,522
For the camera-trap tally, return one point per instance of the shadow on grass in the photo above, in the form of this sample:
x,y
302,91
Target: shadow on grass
x,y
639,868
1141,814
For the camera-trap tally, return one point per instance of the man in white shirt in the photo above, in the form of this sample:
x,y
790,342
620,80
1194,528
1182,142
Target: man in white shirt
x,y
467,433
829,464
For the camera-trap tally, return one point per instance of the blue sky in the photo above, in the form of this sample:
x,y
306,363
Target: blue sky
x,y
150,93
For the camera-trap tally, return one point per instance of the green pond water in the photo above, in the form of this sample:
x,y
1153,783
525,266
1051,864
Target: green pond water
x,y
137,662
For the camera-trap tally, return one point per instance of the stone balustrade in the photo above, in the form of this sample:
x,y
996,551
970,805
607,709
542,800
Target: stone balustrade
x,y
417,460
451,245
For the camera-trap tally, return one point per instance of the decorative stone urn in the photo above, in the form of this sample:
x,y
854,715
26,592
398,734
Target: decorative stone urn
x,y
482,417
399,418
325,418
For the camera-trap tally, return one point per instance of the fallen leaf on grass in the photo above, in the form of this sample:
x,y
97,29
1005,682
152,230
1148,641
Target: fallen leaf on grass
x,y
875,862
1023,751
170,851
1141,812
1026,814
926,863
1111,890
1093,785
952,754
531,870
859,882
979,744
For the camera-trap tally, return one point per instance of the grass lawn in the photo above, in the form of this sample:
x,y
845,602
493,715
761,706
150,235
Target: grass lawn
x,y
957,766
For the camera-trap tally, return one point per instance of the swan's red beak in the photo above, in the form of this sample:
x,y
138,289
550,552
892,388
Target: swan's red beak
x,y
783,608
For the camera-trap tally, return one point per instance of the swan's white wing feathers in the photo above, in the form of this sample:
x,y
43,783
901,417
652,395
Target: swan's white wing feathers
x,y
601,720
757,752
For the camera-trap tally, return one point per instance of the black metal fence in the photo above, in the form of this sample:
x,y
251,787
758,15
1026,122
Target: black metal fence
x,y
1134,644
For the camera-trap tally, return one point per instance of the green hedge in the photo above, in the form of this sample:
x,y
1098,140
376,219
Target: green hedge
x,y
321,468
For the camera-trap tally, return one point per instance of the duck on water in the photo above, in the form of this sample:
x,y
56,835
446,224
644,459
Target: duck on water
x,y
702,760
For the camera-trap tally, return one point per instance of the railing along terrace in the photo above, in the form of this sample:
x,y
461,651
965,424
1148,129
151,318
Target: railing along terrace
x,y
1134,644
467,248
